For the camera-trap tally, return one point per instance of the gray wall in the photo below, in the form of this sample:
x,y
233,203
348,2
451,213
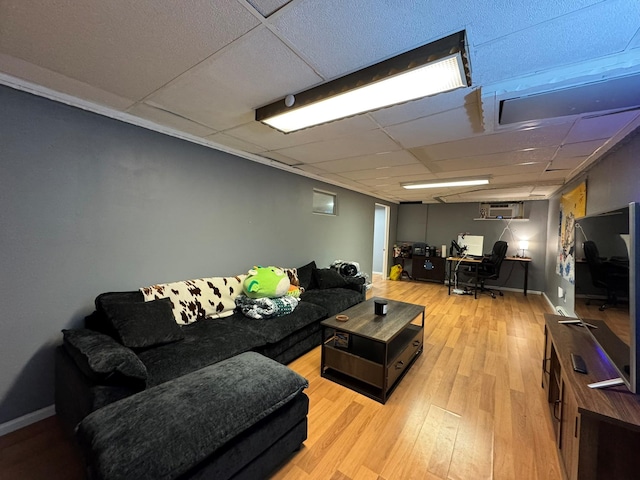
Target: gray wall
x,y
438,224
90,204
612,183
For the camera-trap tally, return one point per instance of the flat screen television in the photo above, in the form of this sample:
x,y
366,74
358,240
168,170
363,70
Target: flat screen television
x,y
606,290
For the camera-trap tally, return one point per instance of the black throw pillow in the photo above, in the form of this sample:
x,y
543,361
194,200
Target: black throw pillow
x,y
144,324
104,360
328,278
305,275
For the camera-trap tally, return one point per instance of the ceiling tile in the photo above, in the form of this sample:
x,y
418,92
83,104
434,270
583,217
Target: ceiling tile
x,y
130,54
424,107
605,126
235,143
554,175
518,178
399,171
267,7
385,160
567,163
578,149
546,190
355,27
272,139
170,120
597,31
492,161
500,142
516,16
60,83
281,158
441,127
488,195
342,147
222,92
495,162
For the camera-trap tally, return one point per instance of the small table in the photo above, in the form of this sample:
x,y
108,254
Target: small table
x,y
371,353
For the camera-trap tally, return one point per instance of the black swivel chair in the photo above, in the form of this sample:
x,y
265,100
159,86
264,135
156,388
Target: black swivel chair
x,y
613,277
489,269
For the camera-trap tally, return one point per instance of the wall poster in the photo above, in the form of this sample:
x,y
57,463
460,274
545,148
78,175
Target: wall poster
x,y
572,205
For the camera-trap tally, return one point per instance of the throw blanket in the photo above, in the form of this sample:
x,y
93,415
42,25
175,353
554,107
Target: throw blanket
x,y
261,308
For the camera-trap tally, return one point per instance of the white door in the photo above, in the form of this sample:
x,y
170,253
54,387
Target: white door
x,y
381,239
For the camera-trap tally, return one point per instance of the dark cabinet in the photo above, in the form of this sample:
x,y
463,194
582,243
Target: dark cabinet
x,y
428,268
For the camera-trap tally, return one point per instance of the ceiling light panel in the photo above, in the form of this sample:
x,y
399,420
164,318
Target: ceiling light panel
x,y
433,68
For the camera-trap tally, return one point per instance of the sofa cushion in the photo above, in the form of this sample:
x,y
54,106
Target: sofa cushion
x,y
205,343
192,300
165,431
275,329
104,360
144,324
328,278
305,275
333,300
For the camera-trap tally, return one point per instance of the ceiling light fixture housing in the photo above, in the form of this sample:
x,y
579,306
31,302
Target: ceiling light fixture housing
x,y
447,183
436,67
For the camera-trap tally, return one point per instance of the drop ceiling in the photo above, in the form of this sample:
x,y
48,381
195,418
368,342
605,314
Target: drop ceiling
x,y
199,69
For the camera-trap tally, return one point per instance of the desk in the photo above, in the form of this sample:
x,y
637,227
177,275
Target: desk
x,y
465,261
524,261
474,262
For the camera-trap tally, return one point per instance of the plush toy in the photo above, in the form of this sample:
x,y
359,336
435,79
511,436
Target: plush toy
x,y
294,291
266,282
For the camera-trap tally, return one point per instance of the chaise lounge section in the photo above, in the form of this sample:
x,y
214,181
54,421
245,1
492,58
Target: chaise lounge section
x,y
239,418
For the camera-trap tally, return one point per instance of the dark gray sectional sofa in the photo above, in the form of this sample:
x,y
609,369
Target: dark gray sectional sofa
x,y
95,370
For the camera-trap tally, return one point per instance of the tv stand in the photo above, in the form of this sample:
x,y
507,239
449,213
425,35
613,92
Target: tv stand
x,y
597,431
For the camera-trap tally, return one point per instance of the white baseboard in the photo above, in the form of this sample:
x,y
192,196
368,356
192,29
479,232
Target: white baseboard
x,y
26,420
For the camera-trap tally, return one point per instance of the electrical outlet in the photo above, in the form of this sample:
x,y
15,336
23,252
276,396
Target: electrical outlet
x,y
560,292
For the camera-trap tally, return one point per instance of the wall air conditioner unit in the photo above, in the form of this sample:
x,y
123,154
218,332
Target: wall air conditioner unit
x,y
502,210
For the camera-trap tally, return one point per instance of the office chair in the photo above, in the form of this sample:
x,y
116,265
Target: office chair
x,y
489,269
613,277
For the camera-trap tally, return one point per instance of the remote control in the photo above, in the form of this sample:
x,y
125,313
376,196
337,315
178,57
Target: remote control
x,y
578,363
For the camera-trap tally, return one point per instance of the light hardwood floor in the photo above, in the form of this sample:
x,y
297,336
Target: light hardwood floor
x,y
471,407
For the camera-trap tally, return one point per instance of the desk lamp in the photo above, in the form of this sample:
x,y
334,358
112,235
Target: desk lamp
x,y
524,245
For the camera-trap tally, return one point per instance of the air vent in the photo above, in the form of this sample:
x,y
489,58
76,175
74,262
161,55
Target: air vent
x,y
619,93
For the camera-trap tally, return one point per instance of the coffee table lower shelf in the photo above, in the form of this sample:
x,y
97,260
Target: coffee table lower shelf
x,y
372,368
364,388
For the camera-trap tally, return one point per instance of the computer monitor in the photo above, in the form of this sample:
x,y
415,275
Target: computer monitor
x,y
474,244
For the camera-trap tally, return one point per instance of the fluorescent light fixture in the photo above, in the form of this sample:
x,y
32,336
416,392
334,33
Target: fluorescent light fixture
x,y
447,183
437,67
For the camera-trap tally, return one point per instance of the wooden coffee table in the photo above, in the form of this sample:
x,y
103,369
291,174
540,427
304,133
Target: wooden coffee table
x,y
371,353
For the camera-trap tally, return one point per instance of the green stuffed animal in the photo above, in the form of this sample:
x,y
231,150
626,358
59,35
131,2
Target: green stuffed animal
x,y
266,282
